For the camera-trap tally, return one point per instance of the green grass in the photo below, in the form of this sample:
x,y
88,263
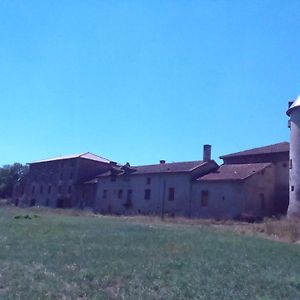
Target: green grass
x,y
56,256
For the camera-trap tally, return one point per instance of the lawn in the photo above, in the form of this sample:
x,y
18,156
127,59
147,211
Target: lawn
x,y
84,256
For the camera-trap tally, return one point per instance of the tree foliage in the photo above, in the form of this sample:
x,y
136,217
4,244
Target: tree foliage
x,y
9,176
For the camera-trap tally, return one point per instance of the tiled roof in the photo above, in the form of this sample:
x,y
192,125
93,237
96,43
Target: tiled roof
x,y
275,148
86,155
178,167
175,167
234,172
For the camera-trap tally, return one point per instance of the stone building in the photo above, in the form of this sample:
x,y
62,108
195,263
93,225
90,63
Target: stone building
x,y
54,182
253,182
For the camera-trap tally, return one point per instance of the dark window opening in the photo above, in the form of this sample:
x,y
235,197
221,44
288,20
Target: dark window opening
x,y
129,195
41,189
139,211
291,164
120,194
104,195
148,180
70,189
292,188
223,198
204,198
71,176
33,190
171,195
61,176
49,189
262,201
147,194
59,188
32,202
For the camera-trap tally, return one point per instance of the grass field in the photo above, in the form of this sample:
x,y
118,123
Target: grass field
x,y
69,256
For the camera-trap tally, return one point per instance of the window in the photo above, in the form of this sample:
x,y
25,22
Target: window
x,y
33,189
291,164
59,188
41,189
49,189
292,188
61,176
70,189
120,194
171,195
148,180
104,195
262,201
147,194
71,176
129,195
204,198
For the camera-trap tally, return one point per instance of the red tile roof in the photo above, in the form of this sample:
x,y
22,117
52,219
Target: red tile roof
x,y
271,149
234,172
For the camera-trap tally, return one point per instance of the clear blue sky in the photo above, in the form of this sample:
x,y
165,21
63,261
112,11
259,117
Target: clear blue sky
x,y
140,81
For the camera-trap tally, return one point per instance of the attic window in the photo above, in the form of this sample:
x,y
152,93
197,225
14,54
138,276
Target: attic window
x,y
292,188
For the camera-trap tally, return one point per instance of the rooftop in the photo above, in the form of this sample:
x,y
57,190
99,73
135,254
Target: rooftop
x,y
234,172
86,155
275,148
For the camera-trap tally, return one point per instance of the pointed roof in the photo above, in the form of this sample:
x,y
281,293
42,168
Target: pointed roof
x,y
85,155
295,105
271,149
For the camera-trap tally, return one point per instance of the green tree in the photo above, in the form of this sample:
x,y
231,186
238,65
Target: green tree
x,y
9,176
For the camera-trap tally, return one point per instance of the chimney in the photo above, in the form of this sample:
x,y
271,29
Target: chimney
x,y
206,152
162,161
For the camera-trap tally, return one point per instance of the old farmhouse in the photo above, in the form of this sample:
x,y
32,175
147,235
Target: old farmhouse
x,y
253,182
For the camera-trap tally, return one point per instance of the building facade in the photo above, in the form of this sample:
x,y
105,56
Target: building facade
x,y
253,182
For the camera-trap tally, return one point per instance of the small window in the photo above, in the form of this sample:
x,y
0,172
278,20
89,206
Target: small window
x,y
59,188
148,180
49,189
41,189
204,198
70,189
171,195
262,201
61,176
33,189
129,195
292,188
104,195
291,164
120,194
223,198
147,194
71,176
83,194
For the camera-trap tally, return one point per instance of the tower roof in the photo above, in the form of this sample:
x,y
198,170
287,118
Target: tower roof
x,y
295,105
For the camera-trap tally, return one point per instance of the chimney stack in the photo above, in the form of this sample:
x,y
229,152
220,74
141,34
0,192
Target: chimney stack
x,y
206,152
162,161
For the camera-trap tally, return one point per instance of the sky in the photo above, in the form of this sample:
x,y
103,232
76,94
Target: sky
x,y
139,81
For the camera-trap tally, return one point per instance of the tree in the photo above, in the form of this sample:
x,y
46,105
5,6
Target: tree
x,y
9,176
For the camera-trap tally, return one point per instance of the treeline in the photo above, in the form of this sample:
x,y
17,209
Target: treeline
x,y
9,176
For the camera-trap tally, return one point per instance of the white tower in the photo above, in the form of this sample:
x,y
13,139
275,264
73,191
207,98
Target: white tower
x,y
294,124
